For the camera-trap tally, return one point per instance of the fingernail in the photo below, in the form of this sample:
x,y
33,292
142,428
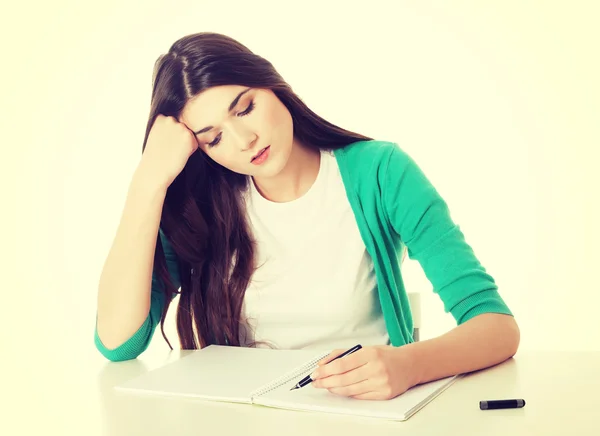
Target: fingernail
x,y
314,375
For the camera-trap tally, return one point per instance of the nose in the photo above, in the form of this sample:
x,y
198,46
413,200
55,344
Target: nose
x,y
251,142
244,137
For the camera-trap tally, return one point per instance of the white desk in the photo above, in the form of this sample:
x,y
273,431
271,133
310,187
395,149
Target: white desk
x,y
560,388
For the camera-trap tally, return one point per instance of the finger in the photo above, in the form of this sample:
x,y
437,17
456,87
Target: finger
x,y
342,365
349,378
335,353
357,389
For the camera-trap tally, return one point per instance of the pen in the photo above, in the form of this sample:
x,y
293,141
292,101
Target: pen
x,y
501,404
307,380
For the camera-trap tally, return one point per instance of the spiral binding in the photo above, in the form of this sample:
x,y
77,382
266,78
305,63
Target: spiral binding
x,y
297,372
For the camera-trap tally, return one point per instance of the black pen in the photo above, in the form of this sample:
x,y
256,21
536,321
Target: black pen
x,y
307,380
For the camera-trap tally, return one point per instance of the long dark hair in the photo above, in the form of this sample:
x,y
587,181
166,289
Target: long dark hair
x,y
203,214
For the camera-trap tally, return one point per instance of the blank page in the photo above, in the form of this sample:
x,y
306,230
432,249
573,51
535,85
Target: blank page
x,y
309,398
219,373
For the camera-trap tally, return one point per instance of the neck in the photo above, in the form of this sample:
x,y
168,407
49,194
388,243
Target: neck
x,y
295,179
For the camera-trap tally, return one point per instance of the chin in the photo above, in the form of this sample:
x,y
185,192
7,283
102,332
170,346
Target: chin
x,y
274,164
268,170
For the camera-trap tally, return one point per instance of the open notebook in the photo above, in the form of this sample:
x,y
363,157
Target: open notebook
x,y
265,377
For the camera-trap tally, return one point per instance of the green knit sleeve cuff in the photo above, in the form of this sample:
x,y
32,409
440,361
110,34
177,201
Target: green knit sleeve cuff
x,y
131,348
488,301
139,341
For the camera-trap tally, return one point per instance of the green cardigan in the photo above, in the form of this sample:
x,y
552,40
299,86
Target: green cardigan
x,y
396,207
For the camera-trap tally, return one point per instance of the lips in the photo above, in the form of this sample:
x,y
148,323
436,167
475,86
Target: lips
x,y
260,153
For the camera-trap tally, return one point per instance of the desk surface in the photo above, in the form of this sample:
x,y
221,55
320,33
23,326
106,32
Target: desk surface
x,y
560,389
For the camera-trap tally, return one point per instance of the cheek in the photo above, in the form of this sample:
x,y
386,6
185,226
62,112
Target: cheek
x,y
277,120
223,156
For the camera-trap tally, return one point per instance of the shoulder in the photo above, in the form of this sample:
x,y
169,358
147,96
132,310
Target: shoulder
x,y
368,157
372,147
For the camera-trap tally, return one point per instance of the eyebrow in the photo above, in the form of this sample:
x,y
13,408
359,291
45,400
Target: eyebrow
x,y
231,106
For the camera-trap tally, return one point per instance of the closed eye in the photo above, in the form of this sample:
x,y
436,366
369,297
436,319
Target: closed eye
x,y
245,112
249,109
216,140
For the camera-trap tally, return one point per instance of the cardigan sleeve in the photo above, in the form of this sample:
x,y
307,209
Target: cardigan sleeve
x,y
422,219
140,340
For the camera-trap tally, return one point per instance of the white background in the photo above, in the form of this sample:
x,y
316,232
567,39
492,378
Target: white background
x,y
497,101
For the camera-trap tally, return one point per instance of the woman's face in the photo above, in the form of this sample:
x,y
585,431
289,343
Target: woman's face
x,y
234,124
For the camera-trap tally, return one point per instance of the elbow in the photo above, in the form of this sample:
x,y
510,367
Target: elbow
x,y
507,335
513,334
119,354
114,356
502,333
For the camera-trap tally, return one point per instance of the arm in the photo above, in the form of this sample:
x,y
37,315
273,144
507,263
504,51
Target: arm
x,y
384,372
486,332
130,299
481,342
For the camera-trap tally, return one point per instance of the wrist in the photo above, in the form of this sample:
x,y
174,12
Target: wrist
x,y
144,178
414,358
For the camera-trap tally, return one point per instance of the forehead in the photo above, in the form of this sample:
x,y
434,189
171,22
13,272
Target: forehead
x,y
209,106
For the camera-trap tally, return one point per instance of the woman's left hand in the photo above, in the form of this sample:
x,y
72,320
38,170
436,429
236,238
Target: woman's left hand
x,y
371,373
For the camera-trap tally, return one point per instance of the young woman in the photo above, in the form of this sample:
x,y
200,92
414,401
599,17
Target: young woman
x,y
283,230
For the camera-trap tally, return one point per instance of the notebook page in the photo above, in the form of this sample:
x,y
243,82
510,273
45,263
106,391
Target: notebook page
x,y
309,398
295,375
219,373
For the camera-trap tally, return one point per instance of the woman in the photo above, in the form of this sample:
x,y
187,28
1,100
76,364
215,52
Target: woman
x,y
284,230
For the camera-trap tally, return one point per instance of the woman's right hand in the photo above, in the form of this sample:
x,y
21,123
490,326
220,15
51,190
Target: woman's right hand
x,y
169,146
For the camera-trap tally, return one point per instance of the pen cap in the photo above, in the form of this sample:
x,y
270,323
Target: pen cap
x,y
501,404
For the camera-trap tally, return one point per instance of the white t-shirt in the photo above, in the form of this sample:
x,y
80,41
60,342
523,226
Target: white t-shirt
x,y
315,286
